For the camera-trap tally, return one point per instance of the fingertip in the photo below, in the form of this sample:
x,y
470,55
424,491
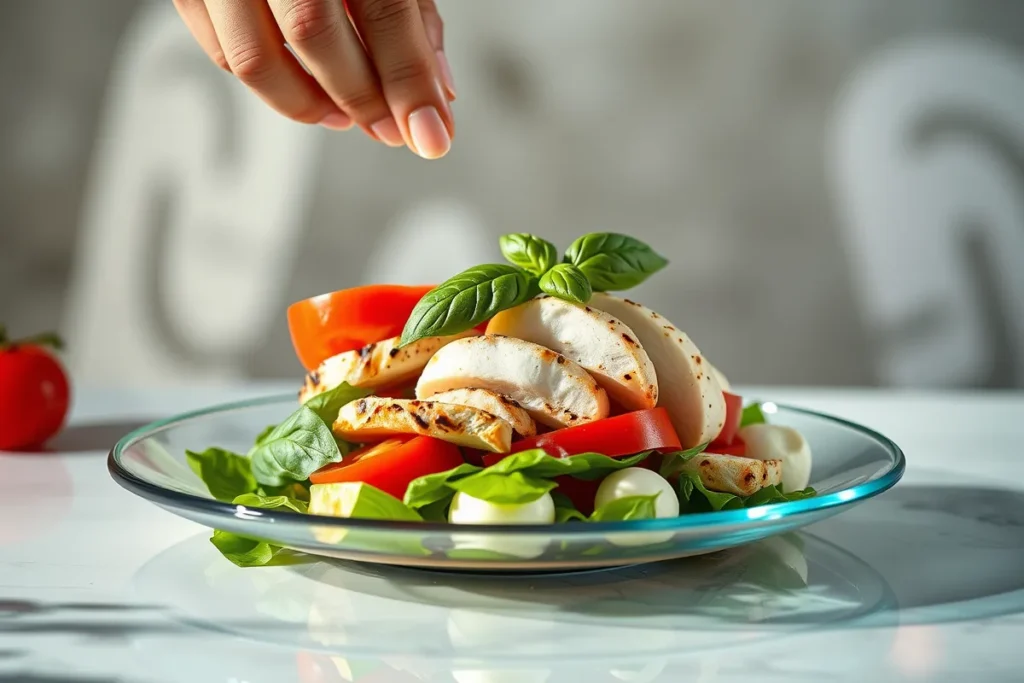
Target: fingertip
x,y
429,133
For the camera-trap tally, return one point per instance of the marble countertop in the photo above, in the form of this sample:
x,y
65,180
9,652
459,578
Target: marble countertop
x,y
924,583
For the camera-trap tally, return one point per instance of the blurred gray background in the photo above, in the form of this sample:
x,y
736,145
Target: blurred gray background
x,y
839,184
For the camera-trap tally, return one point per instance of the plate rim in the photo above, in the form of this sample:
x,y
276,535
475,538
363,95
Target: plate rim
x,y
162,496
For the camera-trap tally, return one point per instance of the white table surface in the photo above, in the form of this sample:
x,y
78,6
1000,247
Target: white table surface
x,y
98,585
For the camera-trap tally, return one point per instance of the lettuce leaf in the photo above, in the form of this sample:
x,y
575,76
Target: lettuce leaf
x,y
752,415
225,474
251,552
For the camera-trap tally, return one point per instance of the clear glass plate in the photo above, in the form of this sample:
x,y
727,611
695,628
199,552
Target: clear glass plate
x,y
851,464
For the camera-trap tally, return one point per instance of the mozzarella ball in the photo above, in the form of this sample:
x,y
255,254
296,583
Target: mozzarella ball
x,y
775,442
637,481
466,509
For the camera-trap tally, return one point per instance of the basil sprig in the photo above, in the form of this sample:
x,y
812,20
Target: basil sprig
x,y
597,262
529,252
612,261
466,300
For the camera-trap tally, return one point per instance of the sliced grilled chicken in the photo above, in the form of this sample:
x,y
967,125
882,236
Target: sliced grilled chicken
x,y
375,365
604,346
373,417
688,390
554,390
735,474
495,404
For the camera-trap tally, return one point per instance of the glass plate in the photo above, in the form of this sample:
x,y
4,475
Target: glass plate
x,y
851,464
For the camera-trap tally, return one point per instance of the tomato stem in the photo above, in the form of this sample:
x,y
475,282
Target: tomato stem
x,y
51,339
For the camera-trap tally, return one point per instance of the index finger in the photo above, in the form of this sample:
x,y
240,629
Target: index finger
x,y
397,42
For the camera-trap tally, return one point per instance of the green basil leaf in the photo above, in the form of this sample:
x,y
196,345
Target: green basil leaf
x,y
328,404
436,511
297,490
695,497
567,282
296,448
434,488
515,488
225,474
752,415
599,465
244,551
612,261
358,500
626,509
529,252
565,510
254,500
466,300
672,463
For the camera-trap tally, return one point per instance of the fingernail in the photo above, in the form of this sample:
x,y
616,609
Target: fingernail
x,y
387,131
429,135
446,73
336,121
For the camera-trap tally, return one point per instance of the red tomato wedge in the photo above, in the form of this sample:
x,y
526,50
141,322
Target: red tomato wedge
x,y
733,417
737,447
329,324
392,464
642,430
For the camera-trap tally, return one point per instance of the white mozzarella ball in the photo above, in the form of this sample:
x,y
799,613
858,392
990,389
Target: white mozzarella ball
x,y
466,509
775,442
637,481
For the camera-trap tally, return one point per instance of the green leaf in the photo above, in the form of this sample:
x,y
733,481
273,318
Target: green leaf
x,y
225,474
255,500
434,488
328,404
567,282
612,261
244,551
600,466
466,300
672,463
529,252
297,490
565,511
537,463
752,415
695,497
626,509
358,500
514,488
296,448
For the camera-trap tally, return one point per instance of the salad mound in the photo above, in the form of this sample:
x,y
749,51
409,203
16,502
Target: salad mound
x,y
518,393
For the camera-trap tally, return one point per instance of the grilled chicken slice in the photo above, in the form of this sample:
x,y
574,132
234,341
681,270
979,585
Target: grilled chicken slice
x,y
495,404
374,417
688,390
735,474
554,390
376,365
604,346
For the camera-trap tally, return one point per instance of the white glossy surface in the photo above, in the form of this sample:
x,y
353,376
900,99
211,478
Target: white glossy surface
x,y
924,583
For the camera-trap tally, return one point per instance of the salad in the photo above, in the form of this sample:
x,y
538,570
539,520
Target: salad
x,y
516,393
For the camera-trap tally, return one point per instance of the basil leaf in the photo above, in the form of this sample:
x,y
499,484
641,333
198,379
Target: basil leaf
x,y
296,448
254,500
775,494
600,466
514,488
695,497
672,463
466,300
434,488
328,404
529,252
358,500
752,415
567,282
251,552
626,509
225,474
612,261
296,490
565,511
244,551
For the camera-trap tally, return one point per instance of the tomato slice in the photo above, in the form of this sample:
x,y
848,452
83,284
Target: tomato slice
x,y
733,417
737,447
641,430
392,464
329,324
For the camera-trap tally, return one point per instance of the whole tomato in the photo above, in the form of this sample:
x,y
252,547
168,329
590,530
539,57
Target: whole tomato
x,y
34,392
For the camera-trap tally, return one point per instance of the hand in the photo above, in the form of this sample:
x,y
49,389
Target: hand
x,y
378,64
